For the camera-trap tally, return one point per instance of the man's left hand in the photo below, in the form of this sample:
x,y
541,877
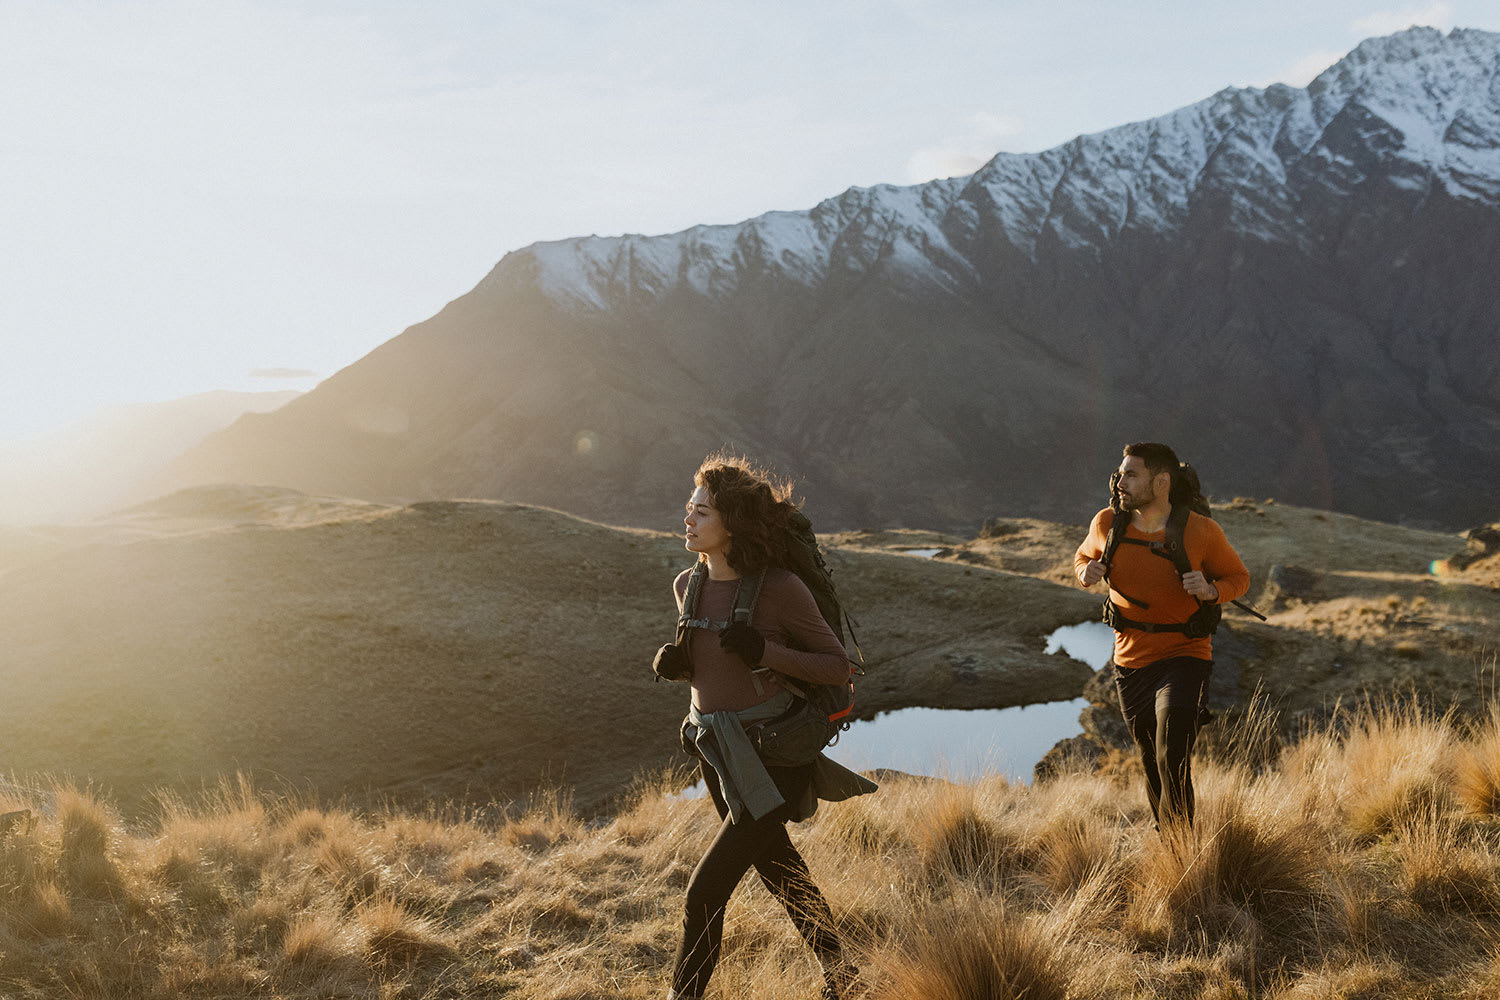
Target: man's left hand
x,y
1197,584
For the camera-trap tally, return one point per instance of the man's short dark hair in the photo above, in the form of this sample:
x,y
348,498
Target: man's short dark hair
x,y
1158,457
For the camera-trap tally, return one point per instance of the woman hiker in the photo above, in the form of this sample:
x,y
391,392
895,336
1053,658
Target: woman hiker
x,y
737,522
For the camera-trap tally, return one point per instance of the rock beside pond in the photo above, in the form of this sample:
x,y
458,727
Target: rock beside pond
x,y
1287,582
1077,753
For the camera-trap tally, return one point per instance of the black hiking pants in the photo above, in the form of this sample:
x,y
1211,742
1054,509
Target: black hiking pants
x,y
1160,702
763,844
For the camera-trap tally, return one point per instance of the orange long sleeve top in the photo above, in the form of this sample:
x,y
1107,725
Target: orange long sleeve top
x,y
1152,579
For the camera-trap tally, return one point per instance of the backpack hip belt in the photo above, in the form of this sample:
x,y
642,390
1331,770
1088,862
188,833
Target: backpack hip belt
x,y
1199,626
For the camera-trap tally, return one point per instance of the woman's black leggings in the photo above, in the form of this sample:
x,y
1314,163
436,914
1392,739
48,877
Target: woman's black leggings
x,y
1160,703
763,844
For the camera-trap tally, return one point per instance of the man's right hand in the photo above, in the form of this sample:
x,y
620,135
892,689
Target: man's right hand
x,y
1091,573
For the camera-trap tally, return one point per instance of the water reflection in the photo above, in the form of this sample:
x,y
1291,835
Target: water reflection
x,y
961,744
1091,642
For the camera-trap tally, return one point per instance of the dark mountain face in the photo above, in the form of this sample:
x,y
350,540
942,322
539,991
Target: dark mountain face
x,y
1295,288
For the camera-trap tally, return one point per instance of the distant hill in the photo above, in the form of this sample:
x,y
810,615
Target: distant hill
x,y
1293,286
97,464
470,650
440,651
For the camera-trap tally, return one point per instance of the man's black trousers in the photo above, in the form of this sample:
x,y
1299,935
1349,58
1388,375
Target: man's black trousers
x,y
1160,702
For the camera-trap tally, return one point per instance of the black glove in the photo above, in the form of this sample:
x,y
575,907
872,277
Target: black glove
x,y
672,664
742,640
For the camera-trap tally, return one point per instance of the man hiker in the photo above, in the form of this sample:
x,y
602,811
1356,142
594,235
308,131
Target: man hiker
x,y
1168,566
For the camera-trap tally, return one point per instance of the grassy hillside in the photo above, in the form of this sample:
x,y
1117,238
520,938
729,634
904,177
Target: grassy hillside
x,y
470,651
461,651
1364,865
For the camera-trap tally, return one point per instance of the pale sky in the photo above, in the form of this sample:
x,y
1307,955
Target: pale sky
x,y
252,194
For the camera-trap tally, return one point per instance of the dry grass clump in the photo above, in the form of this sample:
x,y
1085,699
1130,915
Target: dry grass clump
x,y
972,949
319,944
1074,853
1242,867
1476,769
1361,979
865,827
86,828
1348,863
1245,737
47,912
1396,766
547,820
958,839
392,933
1442,867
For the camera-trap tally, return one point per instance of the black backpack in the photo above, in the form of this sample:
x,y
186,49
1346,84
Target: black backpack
x,y
830,703
1187,499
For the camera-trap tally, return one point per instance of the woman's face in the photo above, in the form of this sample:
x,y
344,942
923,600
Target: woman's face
x,y
703,528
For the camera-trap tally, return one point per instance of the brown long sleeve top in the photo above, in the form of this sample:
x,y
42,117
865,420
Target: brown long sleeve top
x,y
799,642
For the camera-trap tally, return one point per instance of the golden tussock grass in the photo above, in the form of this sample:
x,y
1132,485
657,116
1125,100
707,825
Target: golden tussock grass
x,y
972,949
1476,769
1245,865
1397,765
1348,863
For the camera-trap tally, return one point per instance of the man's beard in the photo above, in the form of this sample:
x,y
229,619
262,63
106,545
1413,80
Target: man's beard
x,y
1129,503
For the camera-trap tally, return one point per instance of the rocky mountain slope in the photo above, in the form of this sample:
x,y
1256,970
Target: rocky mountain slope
x,y
1295,286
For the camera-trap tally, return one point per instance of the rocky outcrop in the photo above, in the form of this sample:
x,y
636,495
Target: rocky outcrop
x,y
1483,542
1286,582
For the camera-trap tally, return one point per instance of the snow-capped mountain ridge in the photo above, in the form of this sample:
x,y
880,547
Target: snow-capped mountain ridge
x,y
1293,286
1426,104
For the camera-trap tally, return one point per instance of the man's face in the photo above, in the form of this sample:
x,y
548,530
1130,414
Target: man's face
x,y
1137,487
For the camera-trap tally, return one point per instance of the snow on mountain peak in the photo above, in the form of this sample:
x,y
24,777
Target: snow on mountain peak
x,y
1417,108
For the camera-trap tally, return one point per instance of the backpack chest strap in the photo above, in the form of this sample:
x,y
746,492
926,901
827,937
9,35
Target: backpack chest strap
x,y
704,623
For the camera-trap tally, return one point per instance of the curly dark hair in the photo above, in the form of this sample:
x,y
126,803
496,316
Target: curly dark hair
x,y
756,506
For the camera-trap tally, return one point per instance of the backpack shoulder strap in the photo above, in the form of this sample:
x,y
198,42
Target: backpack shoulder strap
x,y
687,618
1119,523
1176,546
1176,532
746,595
